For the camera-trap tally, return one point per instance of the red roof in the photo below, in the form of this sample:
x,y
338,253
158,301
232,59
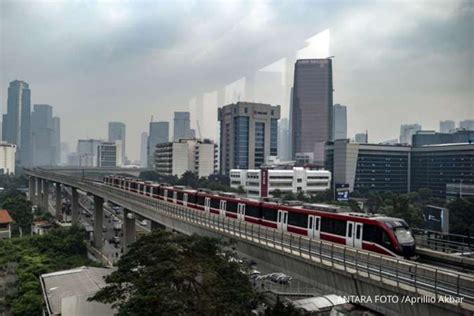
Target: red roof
x,y
5,217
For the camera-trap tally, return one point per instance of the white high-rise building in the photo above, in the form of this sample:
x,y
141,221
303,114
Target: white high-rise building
x,y
263,182
109,154
7,158
446,126
407,131
175,158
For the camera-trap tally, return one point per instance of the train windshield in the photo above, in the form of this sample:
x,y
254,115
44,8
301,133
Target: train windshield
x,y
403,235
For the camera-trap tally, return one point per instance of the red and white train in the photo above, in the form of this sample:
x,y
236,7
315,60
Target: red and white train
x,y
385,235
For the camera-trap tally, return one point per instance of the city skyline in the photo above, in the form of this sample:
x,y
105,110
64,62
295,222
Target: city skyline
x,y
379,104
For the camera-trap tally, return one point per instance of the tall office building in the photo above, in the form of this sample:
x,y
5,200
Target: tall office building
x,y
143,150
423,138
446,126
467,125
16,123
158,134
361,138
312,108
44,136
87,152
181,127
57,139
109,154
339,122
64,153
249,135
407,131
284,150
117,131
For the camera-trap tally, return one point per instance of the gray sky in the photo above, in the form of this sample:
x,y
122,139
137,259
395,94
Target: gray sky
x,y
98,61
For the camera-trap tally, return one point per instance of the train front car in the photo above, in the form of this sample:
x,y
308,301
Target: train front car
x,y
400,235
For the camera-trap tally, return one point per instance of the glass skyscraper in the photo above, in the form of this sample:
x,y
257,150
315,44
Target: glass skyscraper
x,y
16,123
117,131
312,106
181,127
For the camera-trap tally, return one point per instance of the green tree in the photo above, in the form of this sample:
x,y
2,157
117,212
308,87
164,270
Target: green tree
x,y
167,273
189,179
276,193
402,208
20,211
461,216
60,249
281,309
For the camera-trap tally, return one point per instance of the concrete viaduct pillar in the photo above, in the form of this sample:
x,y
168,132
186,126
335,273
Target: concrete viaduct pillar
x,y
128,229
32,189
59,206
45,195
98,221
75,206
38,191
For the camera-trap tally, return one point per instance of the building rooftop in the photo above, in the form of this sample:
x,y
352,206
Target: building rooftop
x,y
69,283
5,217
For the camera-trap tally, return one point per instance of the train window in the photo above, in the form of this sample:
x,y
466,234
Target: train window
x,y
215,203
252,210
200,200
368,233
270,214
297,219
333,226
170,193
180,196
358,227
326,225
231,206
339,227
385,239
349,230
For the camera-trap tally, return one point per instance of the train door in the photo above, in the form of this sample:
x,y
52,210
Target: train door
x,y
314,226
207,204
350,234
358,235
282,220
185,199
165,195
175,197
144,188
241,211
222,207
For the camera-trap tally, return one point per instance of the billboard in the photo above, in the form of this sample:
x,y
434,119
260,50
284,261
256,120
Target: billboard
x,y
342,191
436,218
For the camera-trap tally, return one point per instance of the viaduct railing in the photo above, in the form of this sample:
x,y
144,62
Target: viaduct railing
x,y
419,279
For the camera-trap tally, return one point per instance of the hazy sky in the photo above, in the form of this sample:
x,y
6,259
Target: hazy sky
x,y
98,61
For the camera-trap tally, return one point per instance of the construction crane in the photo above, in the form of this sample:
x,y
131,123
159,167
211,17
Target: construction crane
x,y
199,129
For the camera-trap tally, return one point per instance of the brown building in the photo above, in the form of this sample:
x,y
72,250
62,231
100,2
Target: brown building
x,y
311,109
